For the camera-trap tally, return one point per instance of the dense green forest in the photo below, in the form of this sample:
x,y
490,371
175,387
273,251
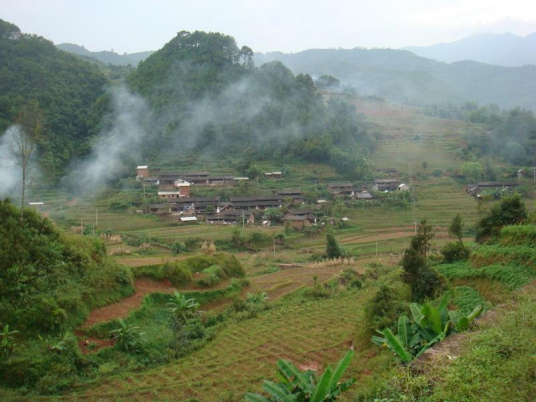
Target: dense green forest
x,y
69,92
106,57
211,98
507,134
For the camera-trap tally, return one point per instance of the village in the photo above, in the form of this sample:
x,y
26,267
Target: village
x,y
178,204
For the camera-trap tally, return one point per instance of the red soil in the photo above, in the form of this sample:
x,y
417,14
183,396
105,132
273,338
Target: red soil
x,y
124,307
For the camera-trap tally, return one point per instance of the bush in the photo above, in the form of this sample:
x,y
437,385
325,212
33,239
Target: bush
x,y
437,173
383,309
455,251
178,274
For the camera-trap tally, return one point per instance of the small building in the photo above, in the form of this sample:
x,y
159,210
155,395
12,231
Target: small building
x,y
363,195
296,222
521,173
220,180
188,219
169,195
344,189
143,171
389,172
183,186
305,213
478,188
295,195
386,185
403,187
273,175
258,202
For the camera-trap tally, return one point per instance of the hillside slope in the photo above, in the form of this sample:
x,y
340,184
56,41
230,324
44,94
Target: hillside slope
x,y
401,76
106,56
66,88
500,49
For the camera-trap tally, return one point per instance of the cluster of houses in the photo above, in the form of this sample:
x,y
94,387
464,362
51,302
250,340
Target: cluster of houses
x,y
175,185
363,192
174,190
477,189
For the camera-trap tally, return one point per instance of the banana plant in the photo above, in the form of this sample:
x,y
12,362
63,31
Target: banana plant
x,y
429,326
303,386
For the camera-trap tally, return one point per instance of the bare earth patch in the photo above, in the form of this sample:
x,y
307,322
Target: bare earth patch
x,y
124,307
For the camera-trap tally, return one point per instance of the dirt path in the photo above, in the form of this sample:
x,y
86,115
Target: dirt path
x,y
124,307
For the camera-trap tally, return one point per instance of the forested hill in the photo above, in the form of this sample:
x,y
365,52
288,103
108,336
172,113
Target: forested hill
x,y
69,92
106,57
401,76
210,98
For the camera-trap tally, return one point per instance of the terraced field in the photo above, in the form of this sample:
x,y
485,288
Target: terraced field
x,y
242,355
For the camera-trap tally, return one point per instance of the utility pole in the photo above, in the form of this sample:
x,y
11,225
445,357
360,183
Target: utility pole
x,y
243,222
273,242
96,222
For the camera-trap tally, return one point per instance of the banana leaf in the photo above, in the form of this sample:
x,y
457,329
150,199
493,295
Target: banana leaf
x,y
280,392
404,330
340,369
394,344
294,376
322,388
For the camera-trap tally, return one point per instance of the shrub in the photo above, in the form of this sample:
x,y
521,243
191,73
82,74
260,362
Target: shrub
x,y
510,211
178,274
455,251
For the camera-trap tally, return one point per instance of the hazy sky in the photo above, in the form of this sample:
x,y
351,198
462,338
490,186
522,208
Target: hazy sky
x,y
267,25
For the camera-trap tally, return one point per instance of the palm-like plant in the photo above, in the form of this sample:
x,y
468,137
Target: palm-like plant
x,y
256,298
7,341
128,337
182,308
429,326
299,386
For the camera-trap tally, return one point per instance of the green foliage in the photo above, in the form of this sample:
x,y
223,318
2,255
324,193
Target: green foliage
x,y
455,251
427,326
178,248
333,248
301,386
351,279
512,275
49,281
510,211
215,268
382,310
424,281
472,171
182,309
128,338
7,342
274,215
252,108
69,91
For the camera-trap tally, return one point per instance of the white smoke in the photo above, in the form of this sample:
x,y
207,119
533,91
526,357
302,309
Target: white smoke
x,y
124,138
10,174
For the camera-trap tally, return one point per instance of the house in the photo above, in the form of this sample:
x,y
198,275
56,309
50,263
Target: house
x,y
143,171
521,173
228,217
198,178
386,185
240,179
296,222
169,195
295,195
160,208
188,219
183,186
475,189
363,195
220,180
167,179
258,202
403,187
389,172
273,175
195,204
305,213
341,189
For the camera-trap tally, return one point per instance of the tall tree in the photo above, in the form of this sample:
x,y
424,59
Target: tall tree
x,y
23,142
456,228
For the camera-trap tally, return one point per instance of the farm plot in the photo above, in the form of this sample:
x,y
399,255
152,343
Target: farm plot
x,y
242,355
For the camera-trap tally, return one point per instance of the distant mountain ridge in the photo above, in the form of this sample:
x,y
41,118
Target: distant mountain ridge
x,y
506,49
401,76
106,56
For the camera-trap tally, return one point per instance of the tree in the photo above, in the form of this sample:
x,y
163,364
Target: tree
x,y
301,386
425,166
423,280
510,211
472,170
333,248
23,142
456,228
273,215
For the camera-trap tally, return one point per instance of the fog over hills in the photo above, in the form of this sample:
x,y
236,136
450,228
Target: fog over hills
x,y
500,49
401,76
